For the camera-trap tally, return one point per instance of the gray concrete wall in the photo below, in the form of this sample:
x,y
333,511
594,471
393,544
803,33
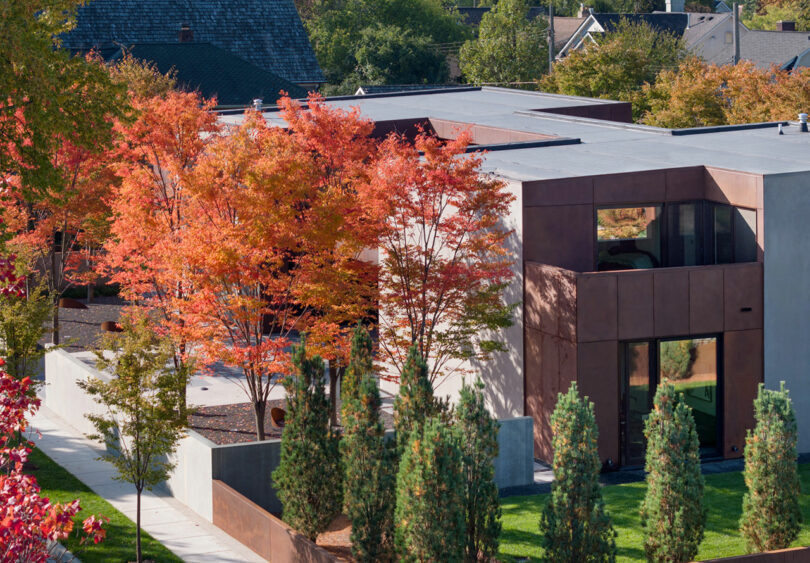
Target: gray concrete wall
x,y
514,466
190,480
787,291
61,393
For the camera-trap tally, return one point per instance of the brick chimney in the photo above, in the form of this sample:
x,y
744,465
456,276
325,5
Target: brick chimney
x,y
785,26
185,35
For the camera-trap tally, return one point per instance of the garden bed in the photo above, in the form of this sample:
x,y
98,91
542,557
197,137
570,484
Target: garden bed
x,y
235,423
520,538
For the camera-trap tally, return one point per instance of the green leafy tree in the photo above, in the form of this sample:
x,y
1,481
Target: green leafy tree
x,y
479,448
388,54
766,17
617,66
676,358
575,525
309,476
141,426
142,78
672,513
510,47
48,95
430,492
415,402
336,30
22,325
369,465
771,516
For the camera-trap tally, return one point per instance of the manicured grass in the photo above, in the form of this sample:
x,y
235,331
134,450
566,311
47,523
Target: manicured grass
x,y
723,497
61,486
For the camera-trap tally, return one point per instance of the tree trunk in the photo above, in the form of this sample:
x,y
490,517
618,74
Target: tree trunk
x,y
259,409
89,293
138,554
55,321
333,386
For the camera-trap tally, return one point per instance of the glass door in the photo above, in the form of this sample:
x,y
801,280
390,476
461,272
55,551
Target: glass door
x,y
638,386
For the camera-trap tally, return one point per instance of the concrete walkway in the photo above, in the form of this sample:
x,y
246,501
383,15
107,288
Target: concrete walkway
x,y
186,534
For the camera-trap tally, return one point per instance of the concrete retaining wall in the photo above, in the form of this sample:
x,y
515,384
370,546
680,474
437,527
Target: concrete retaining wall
x,y
246,467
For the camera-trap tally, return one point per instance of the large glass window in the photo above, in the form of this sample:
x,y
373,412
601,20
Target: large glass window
x,y
629,238
691,365
674,234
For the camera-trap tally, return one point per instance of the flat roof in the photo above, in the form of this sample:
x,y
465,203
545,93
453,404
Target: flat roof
x,y
606,147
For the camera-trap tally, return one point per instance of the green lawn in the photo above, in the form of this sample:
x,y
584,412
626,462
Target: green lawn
x,y
521,536
61,486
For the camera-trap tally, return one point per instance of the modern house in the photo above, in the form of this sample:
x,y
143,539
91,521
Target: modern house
x,y
230,39
641,254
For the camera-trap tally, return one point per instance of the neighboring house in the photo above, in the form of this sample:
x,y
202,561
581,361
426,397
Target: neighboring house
x,y
640,253
597,24
266,33
212,71
710,36
564,27
802,60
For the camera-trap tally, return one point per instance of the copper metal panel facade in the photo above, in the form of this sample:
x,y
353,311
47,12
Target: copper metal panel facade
x,y
706,300
597,307
671,286
559,236
635,305
598,378
742,290
742,374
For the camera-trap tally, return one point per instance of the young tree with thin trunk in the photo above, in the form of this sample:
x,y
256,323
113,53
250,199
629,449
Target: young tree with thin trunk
x,y
443,255
672,514
309,478
575,525
430,495
141,426
368,459
771,516
479,448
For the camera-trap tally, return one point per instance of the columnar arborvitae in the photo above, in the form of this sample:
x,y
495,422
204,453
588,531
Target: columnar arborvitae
x,y
672,513
415,402
309,477
479,448
575,525
430,491
361,363
370,465
771,515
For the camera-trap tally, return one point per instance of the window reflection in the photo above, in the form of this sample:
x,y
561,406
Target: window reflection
x,y
629,238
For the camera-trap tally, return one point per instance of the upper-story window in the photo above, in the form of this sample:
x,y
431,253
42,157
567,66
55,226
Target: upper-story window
x,y
674,234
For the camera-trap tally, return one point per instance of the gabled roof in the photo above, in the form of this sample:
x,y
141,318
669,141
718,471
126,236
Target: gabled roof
x,y
765,48
266,33
665,22
801,60
212,71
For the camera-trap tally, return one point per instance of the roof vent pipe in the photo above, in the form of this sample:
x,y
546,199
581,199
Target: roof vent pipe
x,y
257,104
803,122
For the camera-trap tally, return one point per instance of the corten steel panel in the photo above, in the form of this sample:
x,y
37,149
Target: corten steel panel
x,y
550,375
635,305
567,354
791,555
706,300
561,236
630,188
736,188
671,309
550,300
597,307
565,191
598,378
742,373
685,183
533,390
742,294
621,112
407,127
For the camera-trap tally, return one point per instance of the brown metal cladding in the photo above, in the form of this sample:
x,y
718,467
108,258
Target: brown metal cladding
x,y
671,309
742,373
706,300
742,290
638,187
597,307
735,188
598,378
559,236
635,305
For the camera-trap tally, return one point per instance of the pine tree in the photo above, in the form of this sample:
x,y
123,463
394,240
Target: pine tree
x,y
575,524
479,448
771,514
672,513
368,460
309,476
415,402
361,362
430,491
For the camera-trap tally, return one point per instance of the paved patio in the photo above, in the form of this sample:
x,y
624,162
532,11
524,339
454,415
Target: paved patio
x,y
186,534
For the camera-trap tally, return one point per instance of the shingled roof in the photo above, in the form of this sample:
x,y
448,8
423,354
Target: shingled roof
x,y
212,71
266,33
663,22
